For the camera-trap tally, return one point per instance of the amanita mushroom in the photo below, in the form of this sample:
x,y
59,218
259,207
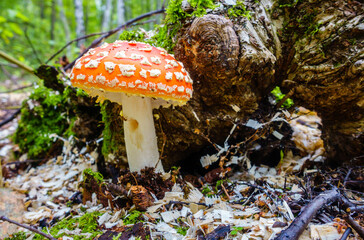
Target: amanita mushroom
x,y
139,77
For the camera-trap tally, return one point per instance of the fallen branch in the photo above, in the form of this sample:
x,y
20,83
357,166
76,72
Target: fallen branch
x,y
300,223
17,89
346,234
9,119
16,62
354,225
113,31
3,218
355,209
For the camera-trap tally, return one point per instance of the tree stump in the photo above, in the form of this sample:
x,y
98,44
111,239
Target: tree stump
x,y
314,48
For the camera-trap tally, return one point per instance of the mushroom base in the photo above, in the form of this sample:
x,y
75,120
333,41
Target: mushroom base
x,y
140,136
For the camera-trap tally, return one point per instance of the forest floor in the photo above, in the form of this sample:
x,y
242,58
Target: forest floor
x,y
69,200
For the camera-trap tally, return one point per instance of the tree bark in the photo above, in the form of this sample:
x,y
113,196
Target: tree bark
x,y
315,47
80,26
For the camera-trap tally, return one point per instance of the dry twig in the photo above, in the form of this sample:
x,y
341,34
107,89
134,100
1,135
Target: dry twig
x,y
346,234
3,218
9,119
300,223
355,209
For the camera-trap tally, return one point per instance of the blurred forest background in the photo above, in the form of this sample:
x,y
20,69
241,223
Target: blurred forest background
x,y
31,31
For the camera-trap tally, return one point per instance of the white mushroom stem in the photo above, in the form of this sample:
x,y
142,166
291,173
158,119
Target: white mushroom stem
x,y
139,131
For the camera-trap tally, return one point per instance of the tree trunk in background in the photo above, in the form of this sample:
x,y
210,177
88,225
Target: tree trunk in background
x,y
41,9
53,19
65,25
107,16
80,26
120,10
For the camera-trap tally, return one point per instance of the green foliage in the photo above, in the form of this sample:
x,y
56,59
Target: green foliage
x,y
133,217
219,183
87,223
238,10
27,24
207,191
17,236
117,236
182,230
134,35
279,96
43,114
235,231
96,175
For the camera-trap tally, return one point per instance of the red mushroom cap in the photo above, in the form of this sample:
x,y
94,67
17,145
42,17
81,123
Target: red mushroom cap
x,y
133,68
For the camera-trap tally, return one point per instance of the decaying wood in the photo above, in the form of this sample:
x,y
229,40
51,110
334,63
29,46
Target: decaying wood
x,y
300,223
141,198
236,61
327,69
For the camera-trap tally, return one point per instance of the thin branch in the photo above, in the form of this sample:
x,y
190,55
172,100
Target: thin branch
x,y
16,62
85,37
355,209
17,89
300,223
346,234
32,46
72,41
115,30
355,226
8,65
9,119
3,218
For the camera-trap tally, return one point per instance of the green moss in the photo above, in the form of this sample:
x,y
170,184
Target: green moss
x,y
46,112
96,175
133,217
112,134
288,3
300,19
87,223
279,96
239,10
174,20
17,236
